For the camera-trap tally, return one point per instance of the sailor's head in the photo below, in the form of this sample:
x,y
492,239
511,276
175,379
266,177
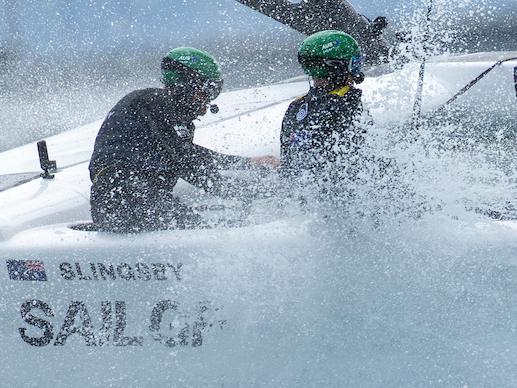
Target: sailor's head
x,y
332,56
195,71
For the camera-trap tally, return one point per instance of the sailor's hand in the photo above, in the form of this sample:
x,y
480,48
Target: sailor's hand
x,y
266,161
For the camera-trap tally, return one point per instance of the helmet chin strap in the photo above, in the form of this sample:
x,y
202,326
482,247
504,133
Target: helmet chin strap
x,y
213,108
346,80
359,78
334,82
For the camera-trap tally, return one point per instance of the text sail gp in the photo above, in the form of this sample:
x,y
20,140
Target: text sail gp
x,y
167,323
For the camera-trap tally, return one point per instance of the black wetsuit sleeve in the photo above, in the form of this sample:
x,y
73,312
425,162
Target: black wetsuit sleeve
x,y
351,122
198,167
227,162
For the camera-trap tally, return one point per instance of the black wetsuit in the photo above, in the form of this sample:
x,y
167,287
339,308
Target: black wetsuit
x,y
318,131
143,147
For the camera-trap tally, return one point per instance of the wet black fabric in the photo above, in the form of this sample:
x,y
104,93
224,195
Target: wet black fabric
x,y
318,130
143,147
133,202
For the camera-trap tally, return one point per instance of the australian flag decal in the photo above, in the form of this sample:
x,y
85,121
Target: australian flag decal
x,y
32,270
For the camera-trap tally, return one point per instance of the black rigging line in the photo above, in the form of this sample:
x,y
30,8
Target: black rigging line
x,y
417,107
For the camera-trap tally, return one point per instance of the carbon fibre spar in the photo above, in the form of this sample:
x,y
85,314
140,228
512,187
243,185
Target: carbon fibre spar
x,y
310,16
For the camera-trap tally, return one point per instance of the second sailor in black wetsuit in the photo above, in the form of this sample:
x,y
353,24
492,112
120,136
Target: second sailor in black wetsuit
x,y
321,128
146,144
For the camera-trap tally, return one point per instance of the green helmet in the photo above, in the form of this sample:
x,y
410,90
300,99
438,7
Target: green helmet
x,y
192,68
330,53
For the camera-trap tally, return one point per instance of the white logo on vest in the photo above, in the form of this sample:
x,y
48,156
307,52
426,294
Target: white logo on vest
x,y
303,112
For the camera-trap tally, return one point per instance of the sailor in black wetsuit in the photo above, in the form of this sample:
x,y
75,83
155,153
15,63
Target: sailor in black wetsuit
x,y
320,129
145,145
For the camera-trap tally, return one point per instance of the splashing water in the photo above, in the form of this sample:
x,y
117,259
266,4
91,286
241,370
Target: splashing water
x,y
402,284
411,282
399,298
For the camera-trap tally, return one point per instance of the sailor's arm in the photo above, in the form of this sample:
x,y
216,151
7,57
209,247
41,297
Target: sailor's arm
x,y
198,167
234,162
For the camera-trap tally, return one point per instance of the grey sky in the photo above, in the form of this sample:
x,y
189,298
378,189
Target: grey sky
x,y
58,26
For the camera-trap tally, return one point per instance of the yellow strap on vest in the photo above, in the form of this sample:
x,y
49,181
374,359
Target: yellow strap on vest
x,y
341,91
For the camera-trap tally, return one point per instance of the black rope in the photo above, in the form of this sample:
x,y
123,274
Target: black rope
x,y
473,82
417,107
